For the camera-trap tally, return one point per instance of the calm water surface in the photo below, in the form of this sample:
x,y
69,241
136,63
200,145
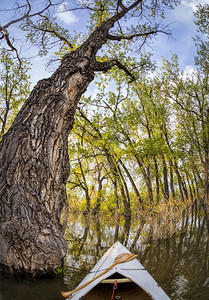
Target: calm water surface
x,y
179,261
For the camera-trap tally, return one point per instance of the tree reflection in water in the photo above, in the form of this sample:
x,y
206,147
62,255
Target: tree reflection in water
x,y
175,253
179,260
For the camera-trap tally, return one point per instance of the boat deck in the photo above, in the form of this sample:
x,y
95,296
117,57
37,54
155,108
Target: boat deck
x,y
127,291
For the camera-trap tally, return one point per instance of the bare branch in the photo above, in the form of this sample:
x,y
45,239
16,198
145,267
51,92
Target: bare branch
x,y
118,15
18,19
45,8
182,106
121,5
9,43
130,37
3,29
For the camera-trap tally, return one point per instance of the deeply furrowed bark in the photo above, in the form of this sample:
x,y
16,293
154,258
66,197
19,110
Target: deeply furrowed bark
x,y
34,169
34,165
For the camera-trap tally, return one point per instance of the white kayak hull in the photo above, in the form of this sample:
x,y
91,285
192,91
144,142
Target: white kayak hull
x,y
133,270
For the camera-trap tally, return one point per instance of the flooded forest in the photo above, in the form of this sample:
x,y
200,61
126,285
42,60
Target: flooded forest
x,y
112,146
178,262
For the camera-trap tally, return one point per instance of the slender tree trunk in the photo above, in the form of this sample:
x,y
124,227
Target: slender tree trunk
x,y
157,180
115,186
179,182
205,128
4,121
206,190
99,194
144,170
125,194
196,184
6,110
189,184
115,176
146,176
165,132
86,189
171,181
110,160
165,178
184,186
133,184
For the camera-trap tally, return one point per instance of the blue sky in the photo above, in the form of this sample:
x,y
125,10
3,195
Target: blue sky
x,y
181,24
183,29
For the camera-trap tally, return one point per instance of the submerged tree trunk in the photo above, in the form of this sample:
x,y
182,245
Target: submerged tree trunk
x,y
34,162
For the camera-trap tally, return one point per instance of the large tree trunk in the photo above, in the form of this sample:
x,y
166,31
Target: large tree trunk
x,y
34,159
34,169
34,163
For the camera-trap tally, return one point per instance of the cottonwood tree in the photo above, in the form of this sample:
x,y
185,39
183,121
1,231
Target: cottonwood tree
x,y
34,152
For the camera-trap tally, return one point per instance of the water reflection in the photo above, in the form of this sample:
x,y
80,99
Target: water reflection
x,y
17,289
179,261
176,256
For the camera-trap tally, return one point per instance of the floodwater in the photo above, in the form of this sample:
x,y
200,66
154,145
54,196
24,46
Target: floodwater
x,y
177,257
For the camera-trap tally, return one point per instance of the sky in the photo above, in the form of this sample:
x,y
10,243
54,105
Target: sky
x,y
181,43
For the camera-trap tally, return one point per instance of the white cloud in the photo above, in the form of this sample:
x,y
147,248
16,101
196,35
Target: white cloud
x,y
184,12
66,16
189,72
189,69
193,4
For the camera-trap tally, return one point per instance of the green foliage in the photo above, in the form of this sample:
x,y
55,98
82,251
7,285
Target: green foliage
x,y
45,32
58,271
14,88
100,12
157,127
202,39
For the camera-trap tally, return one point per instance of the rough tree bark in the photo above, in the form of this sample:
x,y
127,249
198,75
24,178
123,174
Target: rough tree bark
x,y
34,164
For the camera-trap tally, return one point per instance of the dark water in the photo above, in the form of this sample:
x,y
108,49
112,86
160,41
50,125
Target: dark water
x,y
177,257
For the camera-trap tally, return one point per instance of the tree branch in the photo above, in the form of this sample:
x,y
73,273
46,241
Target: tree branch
x,y
9,43
18,19
105,66
130,37
120,4
54,32
3,29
